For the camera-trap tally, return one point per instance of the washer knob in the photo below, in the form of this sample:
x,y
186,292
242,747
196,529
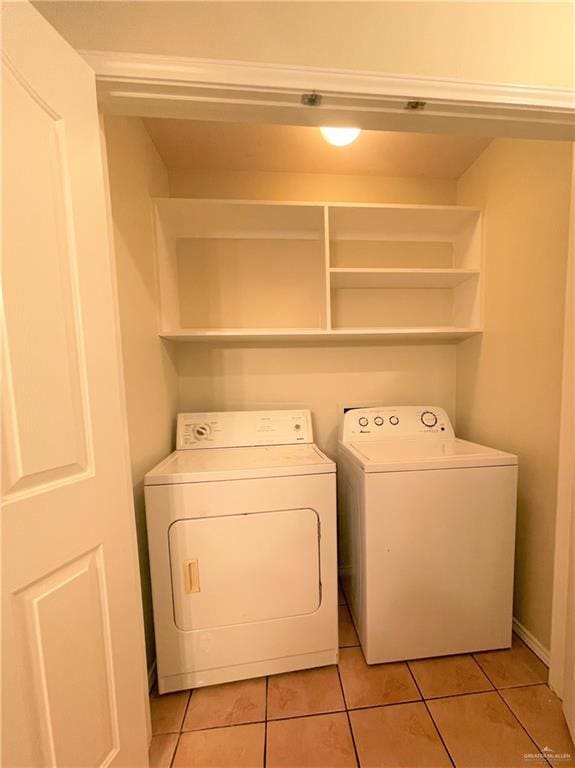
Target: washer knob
x,y
363,421
378,421
394,420
428,419
201,431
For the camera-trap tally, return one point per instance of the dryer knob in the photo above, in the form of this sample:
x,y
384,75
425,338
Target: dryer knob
x,y
378,421
363,421
201,431
394,420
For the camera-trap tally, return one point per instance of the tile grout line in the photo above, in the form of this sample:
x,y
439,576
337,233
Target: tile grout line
x,y
180,732
538,748
357,760
448,753
307,714
224,725
186,710
175,749
498,692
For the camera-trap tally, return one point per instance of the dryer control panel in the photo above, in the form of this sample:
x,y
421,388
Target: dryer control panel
x,y
237,429
394,421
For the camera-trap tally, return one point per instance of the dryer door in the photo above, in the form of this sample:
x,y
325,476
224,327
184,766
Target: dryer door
x,y
238,569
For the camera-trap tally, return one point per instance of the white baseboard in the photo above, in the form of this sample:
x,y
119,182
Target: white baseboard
x,y
152,675
532,642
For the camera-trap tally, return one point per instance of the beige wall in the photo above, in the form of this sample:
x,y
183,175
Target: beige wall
x,y
509,380
324,379
136,173
261,185
505,42
328,378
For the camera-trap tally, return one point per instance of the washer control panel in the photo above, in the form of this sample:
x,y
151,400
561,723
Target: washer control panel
x,y
394,421
236,429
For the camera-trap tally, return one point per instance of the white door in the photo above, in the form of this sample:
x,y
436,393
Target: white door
x,y
73,662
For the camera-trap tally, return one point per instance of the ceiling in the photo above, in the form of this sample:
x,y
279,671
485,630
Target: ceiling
x,y
218,146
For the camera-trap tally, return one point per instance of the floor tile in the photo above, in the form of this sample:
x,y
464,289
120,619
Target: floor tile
x,y
308,692
321,741
448,676
227,704
400,736
240,746
517,665
479,730
371,685
540,712
347,633
167,711
162,750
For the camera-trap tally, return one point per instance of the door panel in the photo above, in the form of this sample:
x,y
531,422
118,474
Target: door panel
x,y
46,407
64,624
239,569
74,682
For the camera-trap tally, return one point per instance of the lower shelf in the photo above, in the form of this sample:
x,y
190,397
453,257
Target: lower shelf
x,y
439,334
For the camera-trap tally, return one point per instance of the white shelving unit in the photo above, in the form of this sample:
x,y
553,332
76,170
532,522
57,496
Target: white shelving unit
x,y
235,270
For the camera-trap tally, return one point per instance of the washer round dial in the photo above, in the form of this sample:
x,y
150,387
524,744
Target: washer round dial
x,y
394,420
378,421
428,419
201,431
363,421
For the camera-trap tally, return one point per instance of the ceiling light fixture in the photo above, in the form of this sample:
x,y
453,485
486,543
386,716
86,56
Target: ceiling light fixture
x,y
340,137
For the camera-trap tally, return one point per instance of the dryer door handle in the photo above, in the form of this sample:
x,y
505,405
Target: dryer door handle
x,y
191,576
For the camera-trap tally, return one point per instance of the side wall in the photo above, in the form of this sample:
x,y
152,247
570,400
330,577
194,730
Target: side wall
x,y
137,173
509,381
324,379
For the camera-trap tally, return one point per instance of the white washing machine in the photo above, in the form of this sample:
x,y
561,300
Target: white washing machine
x,y
242,537
427,535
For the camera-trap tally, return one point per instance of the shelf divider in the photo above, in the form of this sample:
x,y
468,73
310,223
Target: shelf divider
x,y
327,262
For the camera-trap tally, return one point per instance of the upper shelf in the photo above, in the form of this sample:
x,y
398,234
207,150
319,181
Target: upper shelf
x,y
442,223
240,219
399,278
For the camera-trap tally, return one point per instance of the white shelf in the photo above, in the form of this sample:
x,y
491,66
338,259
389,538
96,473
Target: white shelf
x,y
399,278
429,223
439,334
239,219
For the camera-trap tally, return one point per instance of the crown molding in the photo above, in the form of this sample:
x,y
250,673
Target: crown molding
x,y
156,69
156,85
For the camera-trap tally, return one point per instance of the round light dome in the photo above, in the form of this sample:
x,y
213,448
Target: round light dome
x,y
340,137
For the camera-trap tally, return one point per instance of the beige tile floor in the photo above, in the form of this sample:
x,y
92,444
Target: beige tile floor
x,y
484,710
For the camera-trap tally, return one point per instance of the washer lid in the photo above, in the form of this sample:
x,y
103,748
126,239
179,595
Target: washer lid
x,y
412,454
210,464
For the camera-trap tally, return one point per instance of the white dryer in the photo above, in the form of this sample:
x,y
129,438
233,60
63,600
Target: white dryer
x,y
427,535
242,537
